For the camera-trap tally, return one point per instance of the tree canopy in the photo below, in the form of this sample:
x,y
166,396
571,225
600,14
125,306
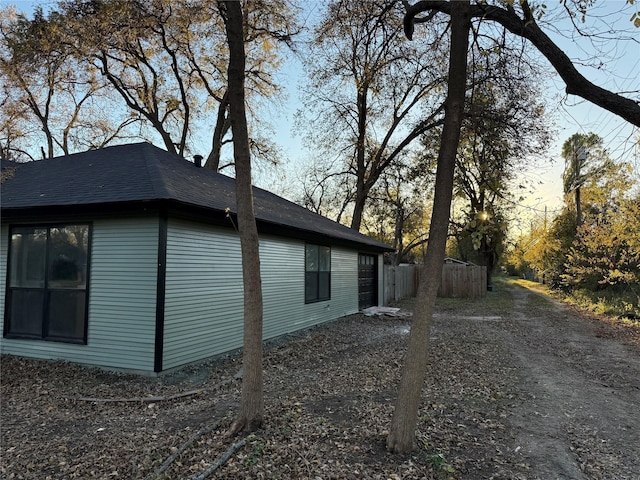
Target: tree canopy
x,y
599,255
370,96
107,66
521,19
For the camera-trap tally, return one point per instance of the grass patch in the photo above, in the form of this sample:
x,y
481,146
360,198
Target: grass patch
x,y
607,303
542,292
498,302
529,285
625,305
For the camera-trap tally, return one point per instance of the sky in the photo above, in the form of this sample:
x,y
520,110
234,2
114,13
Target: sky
x,y
610,63
614,65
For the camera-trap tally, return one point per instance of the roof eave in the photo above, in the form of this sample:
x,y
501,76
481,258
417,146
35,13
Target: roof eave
x,y
184,210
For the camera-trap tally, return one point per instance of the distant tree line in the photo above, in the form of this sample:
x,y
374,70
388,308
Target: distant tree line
x,y
591,248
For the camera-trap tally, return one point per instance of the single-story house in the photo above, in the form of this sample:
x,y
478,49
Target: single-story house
x,y
126,258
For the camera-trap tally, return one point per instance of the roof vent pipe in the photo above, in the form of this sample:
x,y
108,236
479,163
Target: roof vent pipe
x,y
197,160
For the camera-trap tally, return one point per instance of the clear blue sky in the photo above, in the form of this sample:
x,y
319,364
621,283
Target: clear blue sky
x,y
611,64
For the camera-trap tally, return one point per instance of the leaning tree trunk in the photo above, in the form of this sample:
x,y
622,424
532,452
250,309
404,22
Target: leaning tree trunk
x,y
402,432
251,411
220,130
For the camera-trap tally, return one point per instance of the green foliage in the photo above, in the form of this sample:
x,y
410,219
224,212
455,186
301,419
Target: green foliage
x,y
437,460
580,152
440,464
481,239
606,245
606,253
546,249
541,252
597,262
258,447
607,302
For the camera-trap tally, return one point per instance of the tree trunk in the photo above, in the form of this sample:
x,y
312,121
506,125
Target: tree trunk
x,y
488,258
220,130
358,207
578,207
251,411
361,170
402,432
398,244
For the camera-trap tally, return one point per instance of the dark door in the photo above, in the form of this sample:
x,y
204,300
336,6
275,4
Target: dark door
x,y
367,280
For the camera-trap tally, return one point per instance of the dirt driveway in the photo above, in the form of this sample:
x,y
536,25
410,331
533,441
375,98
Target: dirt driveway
x,y
579,384
519,388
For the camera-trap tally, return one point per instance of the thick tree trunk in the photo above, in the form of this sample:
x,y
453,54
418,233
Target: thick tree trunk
x,y
252,403
488,258
361,171
402,432
398,244
359,204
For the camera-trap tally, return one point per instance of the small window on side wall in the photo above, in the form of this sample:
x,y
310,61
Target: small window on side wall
x,y
317,281
47,291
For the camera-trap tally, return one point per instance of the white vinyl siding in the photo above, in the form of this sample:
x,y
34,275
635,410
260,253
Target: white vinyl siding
x,y
122,299
204,302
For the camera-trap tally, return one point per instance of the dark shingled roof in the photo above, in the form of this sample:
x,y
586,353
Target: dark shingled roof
x,y
143,174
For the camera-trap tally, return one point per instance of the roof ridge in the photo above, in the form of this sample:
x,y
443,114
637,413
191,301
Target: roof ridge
x,y
155,177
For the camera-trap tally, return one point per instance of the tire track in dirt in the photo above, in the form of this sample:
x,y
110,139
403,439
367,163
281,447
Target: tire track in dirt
x,y
580,419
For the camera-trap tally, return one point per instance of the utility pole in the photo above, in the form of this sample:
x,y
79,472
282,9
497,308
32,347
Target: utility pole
x,y
581,157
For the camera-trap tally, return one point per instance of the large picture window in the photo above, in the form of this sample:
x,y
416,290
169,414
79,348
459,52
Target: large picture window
x,y
47,291
317,281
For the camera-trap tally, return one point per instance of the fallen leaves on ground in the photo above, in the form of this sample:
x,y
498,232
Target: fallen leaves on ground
x,y
329,395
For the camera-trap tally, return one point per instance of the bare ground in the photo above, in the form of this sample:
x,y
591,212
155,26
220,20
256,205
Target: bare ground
x,y
519,387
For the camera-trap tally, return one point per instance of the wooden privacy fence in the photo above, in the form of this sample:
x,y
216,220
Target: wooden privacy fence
x,y
462,280
400,282
458,280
